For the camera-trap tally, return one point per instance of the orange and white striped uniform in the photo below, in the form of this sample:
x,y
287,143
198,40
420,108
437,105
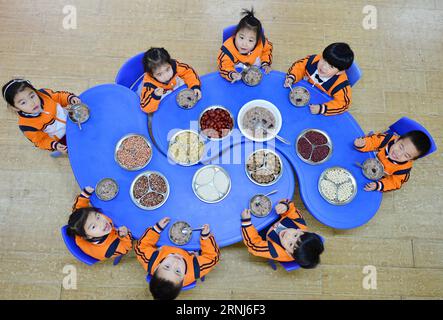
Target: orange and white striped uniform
x,y
109,246
49,126
337,86
182,74
229,58
150,256
272,248
397,173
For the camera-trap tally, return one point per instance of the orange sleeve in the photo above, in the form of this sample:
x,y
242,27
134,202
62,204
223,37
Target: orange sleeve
x,y
147,245
392,182
82,200
266,56
90,249
149,101
210,254
297,70
373,142
62,97
226,65
292,213
39,138
255,244
114,246
189,76
340,103
124,246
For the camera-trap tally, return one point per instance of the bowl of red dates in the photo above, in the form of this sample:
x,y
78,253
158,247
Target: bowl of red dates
x,y
216,123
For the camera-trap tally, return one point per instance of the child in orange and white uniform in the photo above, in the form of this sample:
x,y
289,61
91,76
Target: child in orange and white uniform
x,y
162,76
41,113
172,268
326,71
248,46
396,153
286,240
94,232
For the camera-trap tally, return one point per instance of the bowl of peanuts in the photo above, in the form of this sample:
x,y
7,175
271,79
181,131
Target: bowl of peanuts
x,y
133,152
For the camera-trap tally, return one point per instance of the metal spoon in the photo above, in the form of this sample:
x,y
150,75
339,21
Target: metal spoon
x,y
359,164
271,193
72,115
259,125
283,140
257,202
187,230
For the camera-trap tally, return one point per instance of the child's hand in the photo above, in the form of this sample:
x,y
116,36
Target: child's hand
x,y
315,108
164,222
123,232
246,214
267,69
89,189
235,77
288,82
75,100
61,147
371,186
198,93
281,208
359,142
159,92
206,229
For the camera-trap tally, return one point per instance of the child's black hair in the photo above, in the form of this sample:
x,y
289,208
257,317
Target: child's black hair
x,y
249,21
307,254
11,88
154,58
162,289
77,221
420,140
339,55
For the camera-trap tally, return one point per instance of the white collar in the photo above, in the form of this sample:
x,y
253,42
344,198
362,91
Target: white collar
x,y
315,80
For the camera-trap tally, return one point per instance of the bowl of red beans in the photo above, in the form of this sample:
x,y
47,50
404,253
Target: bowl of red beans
x,y
314,146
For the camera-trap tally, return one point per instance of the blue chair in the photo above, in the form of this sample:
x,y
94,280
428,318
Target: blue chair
x,y
185,288
290,265
229,32
404,125
78,253
354,73
75,249
55,154
131,73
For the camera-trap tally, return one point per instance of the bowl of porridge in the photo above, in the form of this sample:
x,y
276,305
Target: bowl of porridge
x,y
259,120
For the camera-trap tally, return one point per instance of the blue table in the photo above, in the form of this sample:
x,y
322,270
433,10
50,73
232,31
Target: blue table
x,y
342,129
115,112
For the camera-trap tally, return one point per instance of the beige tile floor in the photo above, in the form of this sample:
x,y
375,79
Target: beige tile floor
x,y
402,65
